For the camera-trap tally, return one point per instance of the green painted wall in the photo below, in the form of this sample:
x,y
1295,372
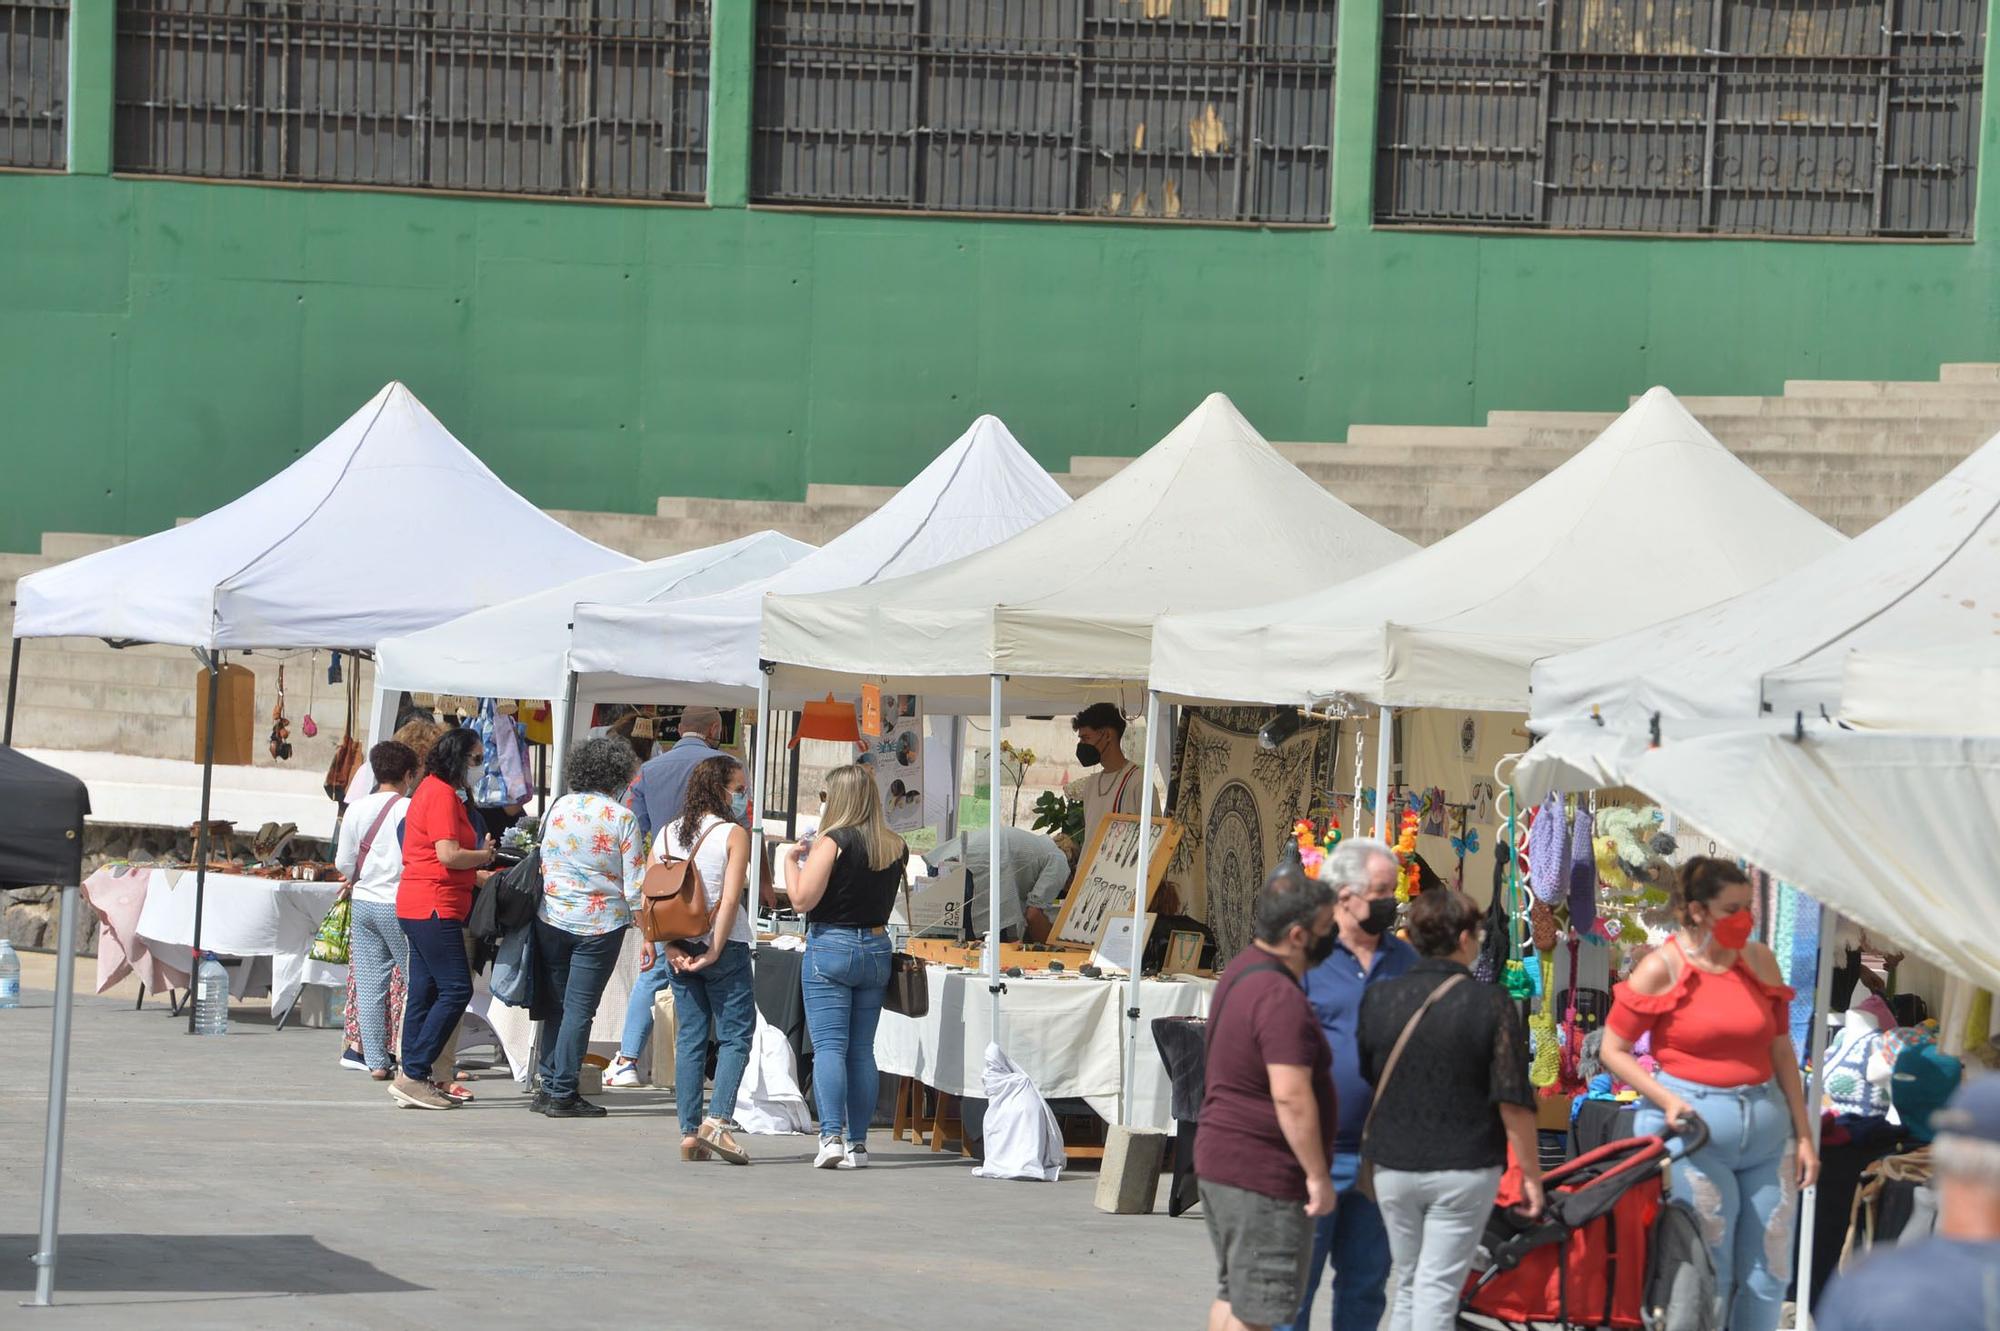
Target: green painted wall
x,y
165,345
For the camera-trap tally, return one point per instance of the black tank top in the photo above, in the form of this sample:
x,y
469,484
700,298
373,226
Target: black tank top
x,y
855,893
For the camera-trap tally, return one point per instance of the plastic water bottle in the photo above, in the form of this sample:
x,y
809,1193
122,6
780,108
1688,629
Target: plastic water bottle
x,y
211,997
10,975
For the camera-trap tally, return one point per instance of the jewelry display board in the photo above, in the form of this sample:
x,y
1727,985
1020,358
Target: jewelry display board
x,y
1102,887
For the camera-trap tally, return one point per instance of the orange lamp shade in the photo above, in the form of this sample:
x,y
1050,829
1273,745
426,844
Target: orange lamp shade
x,y
829,720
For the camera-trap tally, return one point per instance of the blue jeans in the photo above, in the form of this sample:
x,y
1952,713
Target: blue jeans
x,y
1743,1186
639,1012
1354,1239
846,972
440,986
722,999
577,966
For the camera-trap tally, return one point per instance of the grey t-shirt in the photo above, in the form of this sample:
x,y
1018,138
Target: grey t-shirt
x,y
1033,870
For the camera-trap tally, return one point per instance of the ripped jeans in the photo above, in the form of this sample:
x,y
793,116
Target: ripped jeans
x,y
1743,1186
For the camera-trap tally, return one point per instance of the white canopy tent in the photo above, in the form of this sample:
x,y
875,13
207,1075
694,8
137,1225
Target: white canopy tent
x,y
1922,577
1068,606
317,556
981,490
1573,559
1948,691
521,648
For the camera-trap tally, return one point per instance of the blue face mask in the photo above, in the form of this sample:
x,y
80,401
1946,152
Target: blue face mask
x,y
739,805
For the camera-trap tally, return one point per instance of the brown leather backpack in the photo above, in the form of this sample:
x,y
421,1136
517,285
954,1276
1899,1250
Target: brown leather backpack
x,y
675,904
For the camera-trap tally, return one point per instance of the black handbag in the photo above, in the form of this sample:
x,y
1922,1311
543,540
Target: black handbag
x,y
909,991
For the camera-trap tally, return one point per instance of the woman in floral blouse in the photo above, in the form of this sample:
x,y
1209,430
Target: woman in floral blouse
x,y
593,860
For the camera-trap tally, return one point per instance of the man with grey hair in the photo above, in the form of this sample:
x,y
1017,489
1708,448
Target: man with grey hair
x,y
1362,873
1267,1109
1951,1279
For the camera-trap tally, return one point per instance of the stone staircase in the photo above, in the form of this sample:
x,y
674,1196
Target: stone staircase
x,y
1850,451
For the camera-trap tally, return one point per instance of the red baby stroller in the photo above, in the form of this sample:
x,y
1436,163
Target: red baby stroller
x,y
1609,1251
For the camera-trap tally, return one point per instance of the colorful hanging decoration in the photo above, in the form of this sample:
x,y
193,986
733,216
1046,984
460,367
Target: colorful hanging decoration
x,y
1546,1067
1315,846
1406,855
1548,851
1582,872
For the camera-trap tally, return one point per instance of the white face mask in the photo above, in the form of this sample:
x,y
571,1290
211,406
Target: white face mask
x,y
474,772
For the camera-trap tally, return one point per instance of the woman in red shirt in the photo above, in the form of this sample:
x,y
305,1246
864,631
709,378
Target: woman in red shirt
x,y
442,857
1718,1012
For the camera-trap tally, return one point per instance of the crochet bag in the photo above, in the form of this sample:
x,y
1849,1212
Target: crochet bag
x,y
330,944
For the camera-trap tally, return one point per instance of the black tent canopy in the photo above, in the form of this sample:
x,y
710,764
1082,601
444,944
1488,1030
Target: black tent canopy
x,y
41,844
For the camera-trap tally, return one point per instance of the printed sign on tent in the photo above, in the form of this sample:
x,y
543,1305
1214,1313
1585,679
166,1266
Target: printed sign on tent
x,y
897,758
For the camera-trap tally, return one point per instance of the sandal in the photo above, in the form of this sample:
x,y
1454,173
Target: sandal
x,y
692,1149
454,1091
382,1074
715,1137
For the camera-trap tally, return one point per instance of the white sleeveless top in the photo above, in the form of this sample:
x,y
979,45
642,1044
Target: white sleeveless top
x,y
712,864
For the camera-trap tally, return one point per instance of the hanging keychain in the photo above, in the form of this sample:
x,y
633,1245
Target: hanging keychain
x,y
281,729
307,726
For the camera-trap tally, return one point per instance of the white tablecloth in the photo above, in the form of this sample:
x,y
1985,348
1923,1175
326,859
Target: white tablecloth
x,y
242,917
1066,1034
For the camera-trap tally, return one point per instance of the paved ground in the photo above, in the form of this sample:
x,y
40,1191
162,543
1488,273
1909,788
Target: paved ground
x,y
248,1182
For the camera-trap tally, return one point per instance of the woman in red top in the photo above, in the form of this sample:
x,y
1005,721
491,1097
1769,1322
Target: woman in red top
x,y
1719,1012
442,857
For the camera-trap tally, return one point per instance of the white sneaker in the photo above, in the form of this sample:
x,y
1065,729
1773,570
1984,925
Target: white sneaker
x,y
832,1155
856,1157
622,1077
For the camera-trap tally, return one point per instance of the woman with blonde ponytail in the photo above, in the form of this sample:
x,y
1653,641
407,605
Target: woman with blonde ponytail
x,y
845,879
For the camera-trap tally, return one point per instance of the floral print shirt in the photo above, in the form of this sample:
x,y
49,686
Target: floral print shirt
x,y
593,860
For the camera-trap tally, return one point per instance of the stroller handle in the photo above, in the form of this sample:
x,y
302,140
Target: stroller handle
x,y
1690,1130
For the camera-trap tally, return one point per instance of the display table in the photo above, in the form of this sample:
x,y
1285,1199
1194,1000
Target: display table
x,y
1067,1034
117,893
241,917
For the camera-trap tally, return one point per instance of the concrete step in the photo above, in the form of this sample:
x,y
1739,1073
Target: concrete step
x,y
1977,372
1884,411
869,497
58,546
1972,393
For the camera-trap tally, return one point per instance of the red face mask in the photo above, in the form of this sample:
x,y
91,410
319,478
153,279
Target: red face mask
x,y
1733,931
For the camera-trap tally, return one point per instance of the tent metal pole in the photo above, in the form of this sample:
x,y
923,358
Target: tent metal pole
x,y
562,722
1385,743
52,1150
13,691
201,831
996,874
760,766
951,797
1817,1039
792,782
1141,874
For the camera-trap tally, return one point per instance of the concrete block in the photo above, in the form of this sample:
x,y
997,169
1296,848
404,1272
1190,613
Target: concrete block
x,y
1130,1177
1969,373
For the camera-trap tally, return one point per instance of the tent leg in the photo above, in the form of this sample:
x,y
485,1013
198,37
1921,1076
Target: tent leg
x,y
792,782
1817,1038
760,769
997,873
562,720
1385,743
1142,873
951,799
201,832
13,691
52,1151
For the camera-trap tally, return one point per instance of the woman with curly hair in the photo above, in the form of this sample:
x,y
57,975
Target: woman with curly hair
x,y
593,860
711,975
417,735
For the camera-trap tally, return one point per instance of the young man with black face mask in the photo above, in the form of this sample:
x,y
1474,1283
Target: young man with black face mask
x,y
1114,788
1362,873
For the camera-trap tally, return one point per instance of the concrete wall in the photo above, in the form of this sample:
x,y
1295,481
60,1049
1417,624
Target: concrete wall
x,y
164,345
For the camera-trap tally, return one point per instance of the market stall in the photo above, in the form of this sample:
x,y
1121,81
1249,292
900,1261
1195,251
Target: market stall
x,y
1063,613
317,556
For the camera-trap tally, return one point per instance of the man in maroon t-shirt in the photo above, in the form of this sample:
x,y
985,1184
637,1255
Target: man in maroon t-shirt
x,y
1267,1113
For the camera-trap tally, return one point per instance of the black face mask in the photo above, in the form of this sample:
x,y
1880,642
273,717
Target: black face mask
x,y
1381,916
1088,755
1321,948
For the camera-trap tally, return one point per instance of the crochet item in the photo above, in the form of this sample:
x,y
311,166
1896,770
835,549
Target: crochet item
x,y
1546,1066
1518,982
1582,875
1546,929
1548,851
1803,973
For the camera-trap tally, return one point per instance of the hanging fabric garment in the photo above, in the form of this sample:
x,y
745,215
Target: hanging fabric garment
x,y
1548,851
510,752
1582,873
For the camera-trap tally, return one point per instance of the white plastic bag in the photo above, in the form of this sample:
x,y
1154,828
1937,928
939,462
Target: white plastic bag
x,y
1023,1140
769,1102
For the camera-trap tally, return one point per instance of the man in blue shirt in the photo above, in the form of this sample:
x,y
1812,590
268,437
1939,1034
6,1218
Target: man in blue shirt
x,y
1951,1279
663,781
1363,874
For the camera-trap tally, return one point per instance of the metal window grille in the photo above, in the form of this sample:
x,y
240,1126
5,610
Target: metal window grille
x,y
1777,117
34,82
584,98
1218,110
